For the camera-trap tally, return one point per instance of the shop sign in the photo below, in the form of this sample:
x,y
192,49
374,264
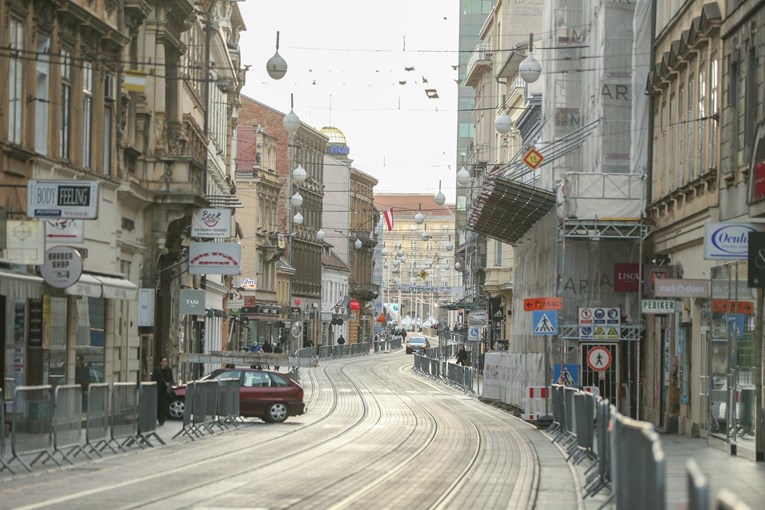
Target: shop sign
x,y
542,303
62,199
727,241
730,306
233,304
626,277
62,267
682,288
211,223
64,230
215,258
145,307
192,302
25,242
658,306
355,304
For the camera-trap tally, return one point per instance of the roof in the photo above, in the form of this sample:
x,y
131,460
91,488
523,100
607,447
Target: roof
x,y
334,262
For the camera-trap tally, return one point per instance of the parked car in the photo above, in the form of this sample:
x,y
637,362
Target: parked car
x,y
270,396
416,343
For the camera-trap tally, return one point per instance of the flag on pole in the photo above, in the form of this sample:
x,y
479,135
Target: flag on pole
x,y
388,215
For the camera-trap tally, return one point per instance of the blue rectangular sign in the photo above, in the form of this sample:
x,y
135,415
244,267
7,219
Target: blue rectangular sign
x,y
544,322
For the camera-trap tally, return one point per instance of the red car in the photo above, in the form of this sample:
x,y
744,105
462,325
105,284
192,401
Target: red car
x,y
270,396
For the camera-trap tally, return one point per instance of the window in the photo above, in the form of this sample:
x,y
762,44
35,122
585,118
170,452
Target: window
x,y
680,135
664,176
108,109
91,330
42,84
15,81
87,112
670,161
750,109
702,123
691,120
66,104
497,253
713,83
733,78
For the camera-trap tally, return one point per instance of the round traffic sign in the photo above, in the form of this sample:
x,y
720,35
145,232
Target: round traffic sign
x,y
599,358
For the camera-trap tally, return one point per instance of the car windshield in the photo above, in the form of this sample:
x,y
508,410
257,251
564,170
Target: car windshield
x,y
418,340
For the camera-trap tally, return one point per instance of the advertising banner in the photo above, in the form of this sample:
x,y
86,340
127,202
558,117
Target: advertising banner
x,y
215,258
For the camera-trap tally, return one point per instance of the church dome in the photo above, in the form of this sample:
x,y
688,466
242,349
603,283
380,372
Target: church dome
x,y
335,135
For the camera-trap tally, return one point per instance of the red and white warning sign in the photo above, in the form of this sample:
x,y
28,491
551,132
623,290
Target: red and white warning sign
x,y
599,358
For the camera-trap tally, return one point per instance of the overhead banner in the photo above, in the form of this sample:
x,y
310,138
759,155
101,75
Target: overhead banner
x,y
215,258
211,223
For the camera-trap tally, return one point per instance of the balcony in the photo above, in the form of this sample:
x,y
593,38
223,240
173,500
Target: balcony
x,y
363,291
479,61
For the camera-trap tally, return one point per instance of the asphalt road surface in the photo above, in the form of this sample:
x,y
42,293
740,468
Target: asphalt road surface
x,y
376,435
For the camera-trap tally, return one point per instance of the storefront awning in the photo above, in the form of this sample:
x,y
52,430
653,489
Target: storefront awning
x,y
90,285
507,209
87,286
20,285
118,288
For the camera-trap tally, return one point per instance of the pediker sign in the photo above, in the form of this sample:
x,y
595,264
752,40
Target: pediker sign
x,y
727,241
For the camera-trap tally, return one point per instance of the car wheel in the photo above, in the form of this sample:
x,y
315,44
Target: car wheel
x,y
277,413
176,408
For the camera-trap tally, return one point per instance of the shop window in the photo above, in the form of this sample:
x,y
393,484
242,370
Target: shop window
x,y
91,330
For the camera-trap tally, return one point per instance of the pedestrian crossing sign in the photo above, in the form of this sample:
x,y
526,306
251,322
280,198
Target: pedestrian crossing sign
x,y
545,322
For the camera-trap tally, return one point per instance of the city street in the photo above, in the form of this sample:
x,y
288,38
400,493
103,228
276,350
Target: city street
x,y
376,435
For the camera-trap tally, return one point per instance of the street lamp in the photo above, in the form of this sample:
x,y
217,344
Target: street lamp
x,y
503,123
276,67
419,217
463,176
530,68
440,198
320,235
358,244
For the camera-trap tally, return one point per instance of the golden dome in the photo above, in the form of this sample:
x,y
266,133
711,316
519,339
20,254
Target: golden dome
x,y
335,135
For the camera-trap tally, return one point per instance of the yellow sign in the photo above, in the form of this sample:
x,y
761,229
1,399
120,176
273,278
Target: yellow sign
x,y
533,158
381,318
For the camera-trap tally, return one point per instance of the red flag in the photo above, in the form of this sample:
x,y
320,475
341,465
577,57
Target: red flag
x,y
388,215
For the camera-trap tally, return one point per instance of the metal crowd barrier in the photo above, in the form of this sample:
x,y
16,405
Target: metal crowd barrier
x,y
97,419
147,415
599,474
209,404
637,465
455,375
698,487
32,425
627,453
124,415
3,464
67,422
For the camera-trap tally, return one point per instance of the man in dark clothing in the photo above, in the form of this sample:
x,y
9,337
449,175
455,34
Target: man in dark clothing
x,y
278,350
267,347
82,377
462,356
163,376
340,340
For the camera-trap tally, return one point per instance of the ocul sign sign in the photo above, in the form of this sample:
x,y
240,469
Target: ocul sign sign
x,y
727,241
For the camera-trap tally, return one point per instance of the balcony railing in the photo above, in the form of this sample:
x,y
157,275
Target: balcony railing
x,y
482,55
364,291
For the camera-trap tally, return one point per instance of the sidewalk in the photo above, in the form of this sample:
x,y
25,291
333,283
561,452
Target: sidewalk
x,y
743,477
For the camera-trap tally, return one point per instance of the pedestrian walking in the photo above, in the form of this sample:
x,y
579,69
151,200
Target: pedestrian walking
x,y
82,377
462,356
163,376
278,350
340,340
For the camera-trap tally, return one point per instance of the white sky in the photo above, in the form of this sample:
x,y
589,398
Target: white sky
x,y
354,52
